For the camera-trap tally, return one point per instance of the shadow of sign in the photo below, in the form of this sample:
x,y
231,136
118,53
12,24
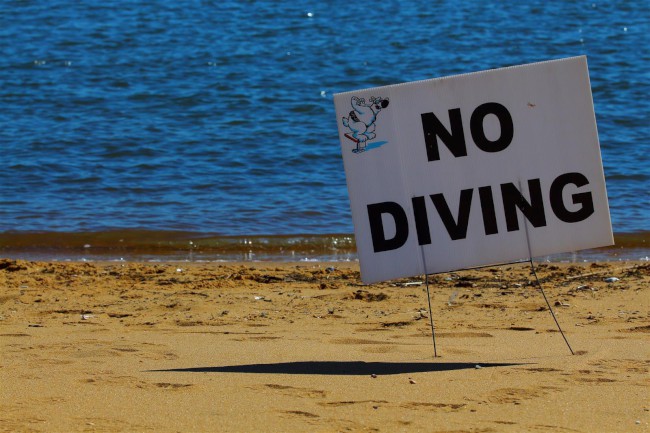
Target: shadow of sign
x,y
339,368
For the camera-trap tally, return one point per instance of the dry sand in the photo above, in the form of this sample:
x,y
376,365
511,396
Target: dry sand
x,y
254,347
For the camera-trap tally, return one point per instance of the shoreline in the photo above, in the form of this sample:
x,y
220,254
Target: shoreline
x,y
305,346
169,246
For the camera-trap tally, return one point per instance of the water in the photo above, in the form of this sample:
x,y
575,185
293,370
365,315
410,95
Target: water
x,y
167,120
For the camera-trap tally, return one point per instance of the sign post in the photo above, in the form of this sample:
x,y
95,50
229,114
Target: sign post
x,y
471,170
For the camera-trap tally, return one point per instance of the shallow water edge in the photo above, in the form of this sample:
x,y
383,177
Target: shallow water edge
x,y
148,245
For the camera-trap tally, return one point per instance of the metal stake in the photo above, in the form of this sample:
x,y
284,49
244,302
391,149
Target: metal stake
x,y
433,331
541,289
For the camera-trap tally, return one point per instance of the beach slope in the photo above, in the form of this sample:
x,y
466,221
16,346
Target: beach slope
x,y
231,347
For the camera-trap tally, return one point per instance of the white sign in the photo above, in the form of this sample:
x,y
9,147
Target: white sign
x,y
476,169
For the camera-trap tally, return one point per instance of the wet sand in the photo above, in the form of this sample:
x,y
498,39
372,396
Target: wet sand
x,y
276,347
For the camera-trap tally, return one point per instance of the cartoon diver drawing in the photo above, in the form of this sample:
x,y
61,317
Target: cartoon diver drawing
x,y
361,120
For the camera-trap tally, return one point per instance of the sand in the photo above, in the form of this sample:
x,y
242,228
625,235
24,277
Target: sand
x,y
256,347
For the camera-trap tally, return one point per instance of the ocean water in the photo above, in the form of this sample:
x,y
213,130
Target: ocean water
x,y
154,122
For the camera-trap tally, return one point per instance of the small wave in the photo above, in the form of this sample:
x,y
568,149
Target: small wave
x,y
173,245
147,245
631,176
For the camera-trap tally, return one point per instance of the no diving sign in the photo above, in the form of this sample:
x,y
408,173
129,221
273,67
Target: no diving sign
x,y
475,169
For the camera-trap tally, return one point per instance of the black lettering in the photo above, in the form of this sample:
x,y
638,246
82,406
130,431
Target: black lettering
x,y
421,220
584,199
478,133
487,207
379,241
434,129
513,199
457,229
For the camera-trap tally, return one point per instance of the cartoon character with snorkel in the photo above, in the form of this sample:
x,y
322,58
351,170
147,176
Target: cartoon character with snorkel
x,y
361,120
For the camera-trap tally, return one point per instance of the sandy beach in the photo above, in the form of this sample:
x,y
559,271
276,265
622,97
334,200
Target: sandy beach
x,y
277,347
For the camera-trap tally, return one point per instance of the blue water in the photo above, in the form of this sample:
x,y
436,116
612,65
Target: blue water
x,y
217,116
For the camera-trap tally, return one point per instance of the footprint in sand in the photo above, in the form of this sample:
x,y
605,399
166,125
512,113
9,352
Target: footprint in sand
x,y
517,395
301,413
295,391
